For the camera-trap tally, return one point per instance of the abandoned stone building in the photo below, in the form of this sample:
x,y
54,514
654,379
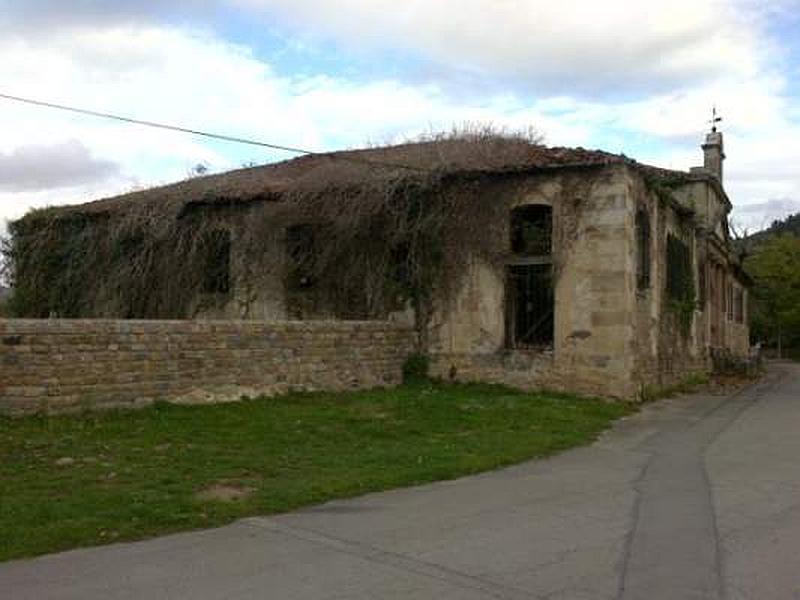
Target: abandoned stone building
x,y
562,268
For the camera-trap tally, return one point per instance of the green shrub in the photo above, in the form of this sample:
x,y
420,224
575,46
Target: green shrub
x,y
416,367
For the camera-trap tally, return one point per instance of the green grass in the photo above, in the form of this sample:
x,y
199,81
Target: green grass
x,y
686,386
136,474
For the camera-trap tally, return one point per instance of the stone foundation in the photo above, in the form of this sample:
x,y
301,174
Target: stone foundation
x,y
532,371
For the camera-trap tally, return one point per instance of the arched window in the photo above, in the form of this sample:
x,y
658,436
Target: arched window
x,y
642,249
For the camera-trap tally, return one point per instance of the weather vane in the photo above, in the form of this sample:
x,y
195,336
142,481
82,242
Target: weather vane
x,y
714,119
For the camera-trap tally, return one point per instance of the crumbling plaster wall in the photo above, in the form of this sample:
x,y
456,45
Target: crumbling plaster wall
x,y
738,337
664,353
710,209
712,239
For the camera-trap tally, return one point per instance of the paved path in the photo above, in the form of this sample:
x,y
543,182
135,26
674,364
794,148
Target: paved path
x,y
696,497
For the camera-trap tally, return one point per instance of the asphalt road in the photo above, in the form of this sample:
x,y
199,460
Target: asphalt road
x,y
695,497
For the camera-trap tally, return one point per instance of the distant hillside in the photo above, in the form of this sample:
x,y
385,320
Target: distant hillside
x,y
790,224
773,261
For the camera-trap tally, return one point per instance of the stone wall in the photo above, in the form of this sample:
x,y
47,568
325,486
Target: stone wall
x,y
64,365
594,281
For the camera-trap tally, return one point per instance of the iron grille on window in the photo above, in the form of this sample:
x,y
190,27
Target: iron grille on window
x,y
530,306
529,289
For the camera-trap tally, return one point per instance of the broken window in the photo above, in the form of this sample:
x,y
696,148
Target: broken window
x,y
529,288
531,230
680,281
217,269
530,306
642,250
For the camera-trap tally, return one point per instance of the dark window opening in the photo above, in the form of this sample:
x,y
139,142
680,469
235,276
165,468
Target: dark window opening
x,y
642,250
531,230
217,271
702,284
680,281
399,272
730,302
301,249
738,305
530,306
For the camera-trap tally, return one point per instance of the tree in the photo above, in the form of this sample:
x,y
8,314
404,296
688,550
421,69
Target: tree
x,y
775,268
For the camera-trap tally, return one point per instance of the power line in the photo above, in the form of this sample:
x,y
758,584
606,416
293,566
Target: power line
x,y
217,136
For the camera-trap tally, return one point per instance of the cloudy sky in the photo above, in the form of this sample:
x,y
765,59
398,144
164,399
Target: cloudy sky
x,y
632,77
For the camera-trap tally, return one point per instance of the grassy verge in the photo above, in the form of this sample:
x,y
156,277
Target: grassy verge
x,y
72,481
690,384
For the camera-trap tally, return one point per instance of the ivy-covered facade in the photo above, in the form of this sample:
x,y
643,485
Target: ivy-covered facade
x,y
533,266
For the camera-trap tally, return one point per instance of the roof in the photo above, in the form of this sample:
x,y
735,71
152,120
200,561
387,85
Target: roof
x,y
273,181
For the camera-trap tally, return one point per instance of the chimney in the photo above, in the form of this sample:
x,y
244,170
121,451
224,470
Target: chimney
x,y
713,153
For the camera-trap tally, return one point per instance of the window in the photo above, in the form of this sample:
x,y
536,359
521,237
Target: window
x,y
529,284
642,250
702,283
530,306
217,254
301,249
730,301
680,281
531,230
738,305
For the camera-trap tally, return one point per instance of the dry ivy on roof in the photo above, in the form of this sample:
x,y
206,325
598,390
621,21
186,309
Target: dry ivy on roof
x,y
384,237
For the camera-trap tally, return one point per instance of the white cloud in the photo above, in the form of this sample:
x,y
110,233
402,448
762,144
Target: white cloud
x,y
37,16
572,46
682,57
45,167
196,80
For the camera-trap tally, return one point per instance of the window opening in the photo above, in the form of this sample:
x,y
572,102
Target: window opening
x,y
730,302
642,250
531,230
217,271
530,301
738,305
530,304
702,283
679,269
301,249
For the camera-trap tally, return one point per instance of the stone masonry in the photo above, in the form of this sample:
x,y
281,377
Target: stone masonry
x,y
52,366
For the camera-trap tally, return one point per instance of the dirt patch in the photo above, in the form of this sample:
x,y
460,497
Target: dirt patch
x,y
224,492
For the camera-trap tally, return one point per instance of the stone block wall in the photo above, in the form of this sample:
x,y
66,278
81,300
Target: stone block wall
x,y
67,365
